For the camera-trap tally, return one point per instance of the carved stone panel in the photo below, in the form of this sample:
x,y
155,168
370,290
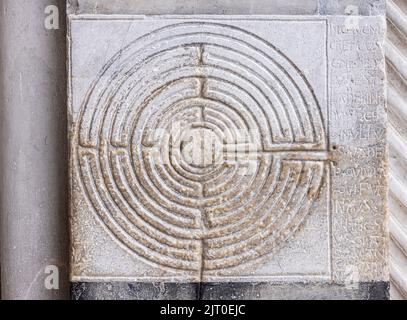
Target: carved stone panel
x,y
218,149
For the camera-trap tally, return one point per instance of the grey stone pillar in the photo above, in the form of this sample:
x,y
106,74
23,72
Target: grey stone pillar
x,y
33,197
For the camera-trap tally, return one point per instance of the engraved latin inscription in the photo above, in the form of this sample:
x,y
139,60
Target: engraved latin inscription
x,y
358,135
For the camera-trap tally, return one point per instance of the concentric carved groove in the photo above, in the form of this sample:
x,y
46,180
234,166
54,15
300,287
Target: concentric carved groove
x,y
396,53
172,204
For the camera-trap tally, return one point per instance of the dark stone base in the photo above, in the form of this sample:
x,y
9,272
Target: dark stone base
x,y
229,291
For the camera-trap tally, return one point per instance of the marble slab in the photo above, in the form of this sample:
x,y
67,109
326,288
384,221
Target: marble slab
x,y
235,148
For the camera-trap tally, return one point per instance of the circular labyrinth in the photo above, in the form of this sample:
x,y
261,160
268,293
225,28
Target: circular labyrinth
x,y
198,146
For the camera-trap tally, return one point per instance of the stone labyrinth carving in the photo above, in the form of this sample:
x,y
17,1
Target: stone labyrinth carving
x,y
201,147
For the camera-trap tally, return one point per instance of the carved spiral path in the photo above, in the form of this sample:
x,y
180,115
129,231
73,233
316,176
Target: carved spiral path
x,y
191,212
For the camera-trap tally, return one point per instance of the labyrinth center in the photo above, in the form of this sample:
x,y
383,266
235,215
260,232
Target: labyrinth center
x,y
201,147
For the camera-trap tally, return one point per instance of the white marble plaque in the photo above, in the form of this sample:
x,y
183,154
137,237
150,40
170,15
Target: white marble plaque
x,y
234,148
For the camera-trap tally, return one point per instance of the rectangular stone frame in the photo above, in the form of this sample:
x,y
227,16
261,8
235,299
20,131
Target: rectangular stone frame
x,y
323,95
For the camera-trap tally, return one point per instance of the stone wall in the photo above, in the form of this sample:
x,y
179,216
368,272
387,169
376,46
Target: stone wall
x,y
34,157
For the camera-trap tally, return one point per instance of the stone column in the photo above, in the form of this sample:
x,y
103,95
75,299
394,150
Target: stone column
x,y
33,152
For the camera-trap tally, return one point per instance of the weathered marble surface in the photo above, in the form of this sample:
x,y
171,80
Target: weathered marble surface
x,y
227,7
307,203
